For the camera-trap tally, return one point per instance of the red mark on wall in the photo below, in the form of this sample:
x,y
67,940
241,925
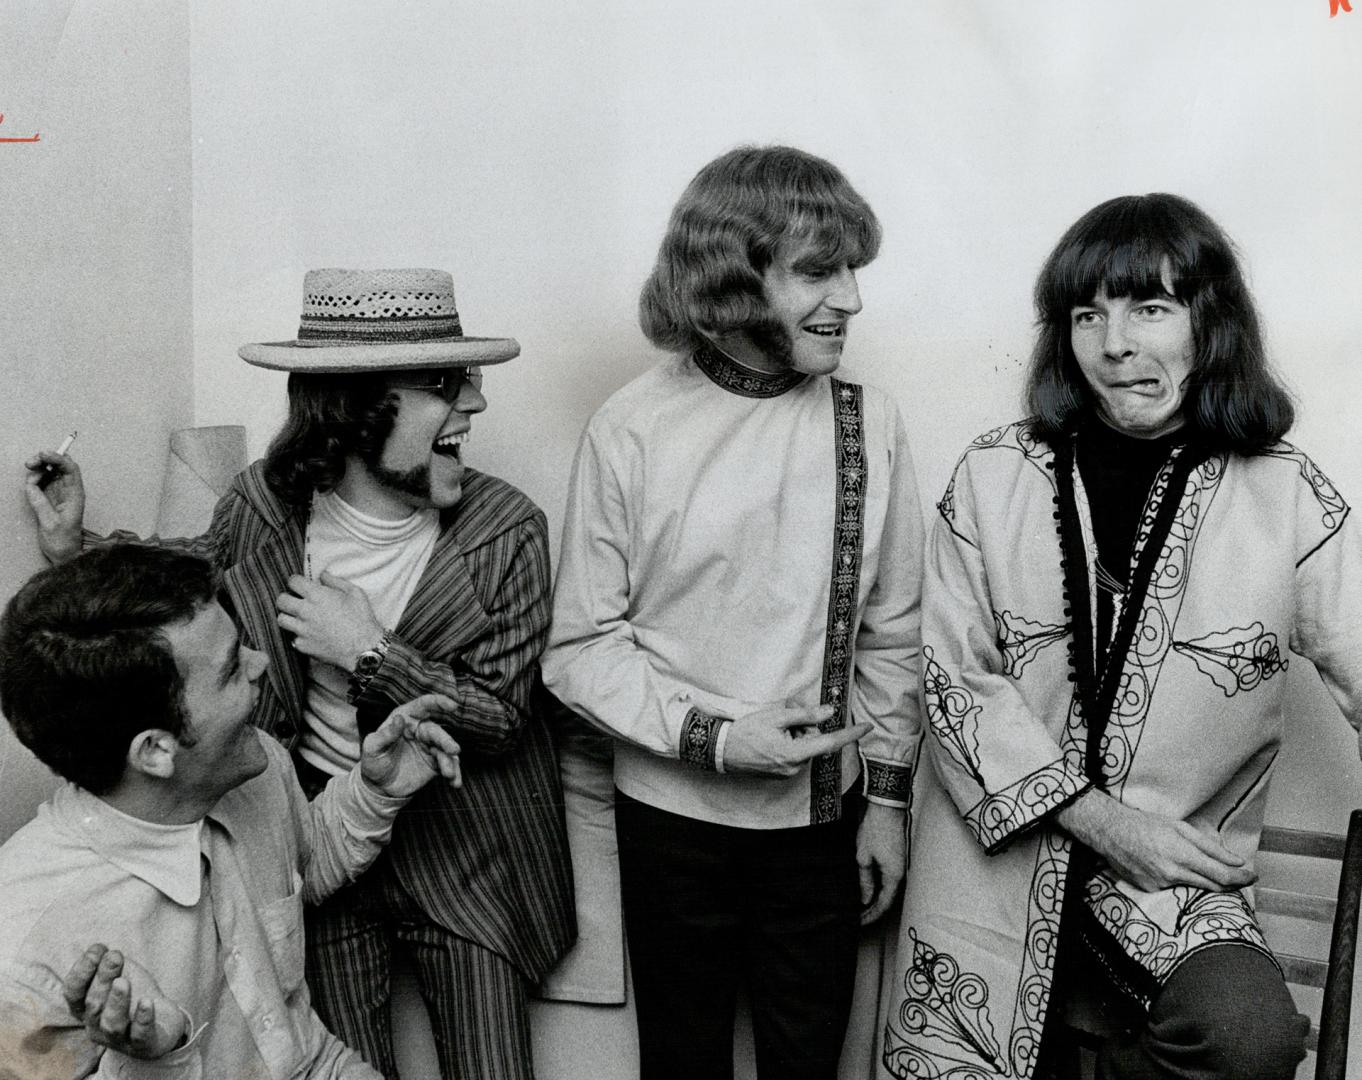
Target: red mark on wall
x,y
34,138
1334,5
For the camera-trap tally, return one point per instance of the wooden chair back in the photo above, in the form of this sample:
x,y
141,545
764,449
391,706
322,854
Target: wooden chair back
x,y
1334,974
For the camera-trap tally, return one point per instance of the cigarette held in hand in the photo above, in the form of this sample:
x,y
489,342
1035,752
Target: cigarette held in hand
x,y
50,471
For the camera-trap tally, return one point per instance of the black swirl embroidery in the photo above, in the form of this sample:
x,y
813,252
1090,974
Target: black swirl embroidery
x,y
1000,814
953,716
1020,639
1238,659
949,1008
1333,507
1197,917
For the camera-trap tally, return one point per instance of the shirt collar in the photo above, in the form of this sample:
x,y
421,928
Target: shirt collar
x,y
166,857
732,376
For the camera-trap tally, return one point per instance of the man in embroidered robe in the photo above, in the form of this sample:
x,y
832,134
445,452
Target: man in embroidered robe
x,y
737,603
1111,591
153,909
369,564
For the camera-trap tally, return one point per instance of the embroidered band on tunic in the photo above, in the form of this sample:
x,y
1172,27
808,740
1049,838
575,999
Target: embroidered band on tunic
x,y
825,777
729,375
700,739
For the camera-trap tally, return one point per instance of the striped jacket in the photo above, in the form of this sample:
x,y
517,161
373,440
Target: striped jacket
x,y
487,861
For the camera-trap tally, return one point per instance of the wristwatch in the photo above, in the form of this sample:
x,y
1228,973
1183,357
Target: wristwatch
x,y
367,664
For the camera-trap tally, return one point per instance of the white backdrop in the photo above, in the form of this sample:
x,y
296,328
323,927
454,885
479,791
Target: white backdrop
x,y
534,149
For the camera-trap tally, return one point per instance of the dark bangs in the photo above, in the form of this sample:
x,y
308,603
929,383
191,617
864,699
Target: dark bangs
x,y
1120,248
1234,400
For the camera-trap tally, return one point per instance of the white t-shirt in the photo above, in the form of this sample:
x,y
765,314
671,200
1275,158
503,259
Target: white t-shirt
x,y
384,558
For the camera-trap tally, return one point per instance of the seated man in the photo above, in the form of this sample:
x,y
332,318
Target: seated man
x,y
371,565
181,846
1111,590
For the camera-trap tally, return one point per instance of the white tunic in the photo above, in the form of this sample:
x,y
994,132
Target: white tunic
x,y
695,578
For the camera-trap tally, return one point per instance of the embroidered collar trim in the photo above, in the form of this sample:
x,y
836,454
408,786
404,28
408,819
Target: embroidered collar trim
x,y
728,374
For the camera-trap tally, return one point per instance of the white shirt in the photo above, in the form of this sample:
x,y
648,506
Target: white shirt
x,y
384,558
212,911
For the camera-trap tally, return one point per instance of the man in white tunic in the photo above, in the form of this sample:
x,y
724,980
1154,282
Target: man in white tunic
x,y
1111,591
737,604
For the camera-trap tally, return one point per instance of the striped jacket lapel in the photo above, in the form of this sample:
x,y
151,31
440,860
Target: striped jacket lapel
x,y
254,583
445,612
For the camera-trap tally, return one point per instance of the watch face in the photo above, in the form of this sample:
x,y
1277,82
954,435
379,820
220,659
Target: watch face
x,y
368,662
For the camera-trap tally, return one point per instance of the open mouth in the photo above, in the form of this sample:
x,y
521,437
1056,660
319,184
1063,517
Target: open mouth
x,y
827,330
448,445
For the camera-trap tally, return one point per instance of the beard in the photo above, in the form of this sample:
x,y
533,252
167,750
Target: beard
x,y
415,482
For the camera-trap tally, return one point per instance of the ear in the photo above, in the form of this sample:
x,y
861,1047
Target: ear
x,y
152,753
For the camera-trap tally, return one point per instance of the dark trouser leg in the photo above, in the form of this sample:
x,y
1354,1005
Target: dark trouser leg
x,y
681,920
349,971
802,914
1224,1013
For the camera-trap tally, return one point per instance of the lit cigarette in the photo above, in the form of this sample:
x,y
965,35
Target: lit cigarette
x,y
51,471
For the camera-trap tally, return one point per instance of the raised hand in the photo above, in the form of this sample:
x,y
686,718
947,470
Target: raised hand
x,y
1152,851
777,740
410,748
58,505
139,1022
330,619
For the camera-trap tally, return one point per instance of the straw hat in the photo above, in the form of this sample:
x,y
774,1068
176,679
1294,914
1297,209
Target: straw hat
x,y
372,320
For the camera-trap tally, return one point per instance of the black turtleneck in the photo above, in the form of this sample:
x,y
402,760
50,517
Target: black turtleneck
x,y
1118,471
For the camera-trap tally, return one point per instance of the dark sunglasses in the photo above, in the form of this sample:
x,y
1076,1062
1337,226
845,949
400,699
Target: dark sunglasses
x,y
446,382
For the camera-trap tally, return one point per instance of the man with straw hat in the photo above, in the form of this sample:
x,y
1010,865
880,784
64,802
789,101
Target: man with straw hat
x,y
371,565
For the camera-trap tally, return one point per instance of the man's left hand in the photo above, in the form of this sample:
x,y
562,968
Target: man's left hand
x,y
410,748
330,619
139,1022
882,855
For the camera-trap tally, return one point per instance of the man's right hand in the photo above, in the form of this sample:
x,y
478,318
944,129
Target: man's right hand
x,y
777,740
1152,851
59,506
148,1026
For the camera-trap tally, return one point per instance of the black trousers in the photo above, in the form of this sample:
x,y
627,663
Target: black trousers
x,y
709,908
1223,1014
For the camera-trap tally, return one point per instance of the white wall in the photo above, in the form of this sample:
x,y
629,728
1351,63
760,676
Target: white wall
x,y
535,149
94,279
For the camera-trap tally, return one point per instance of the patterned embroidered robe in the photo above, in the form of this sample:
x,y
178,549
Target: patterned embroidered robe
x,y
1249,557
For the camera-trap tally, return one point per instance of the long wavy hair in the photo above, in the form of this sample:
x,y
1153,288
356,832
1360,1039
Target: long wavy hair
x,y
84,662
1234,400
729,226
329,417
